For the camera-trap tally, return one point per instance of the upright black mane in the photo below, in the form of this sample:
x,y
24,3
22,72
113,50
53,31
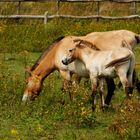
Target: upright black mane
x,y
45,52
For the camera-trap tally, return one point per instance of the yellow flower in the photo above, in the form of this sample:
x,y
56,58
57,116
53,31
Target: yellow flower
x,y
83,108
122,110
83,113
14,131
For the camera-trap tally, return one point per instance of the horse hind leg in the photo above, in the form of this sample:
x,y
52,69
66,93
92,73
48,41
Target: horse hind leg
x,y
138,85
110,90
126,84
136,81
129,89
131,76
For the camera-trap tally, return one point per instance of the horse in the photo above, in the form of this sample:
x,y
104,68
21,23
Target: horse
x,y
101,64
111,40
50,60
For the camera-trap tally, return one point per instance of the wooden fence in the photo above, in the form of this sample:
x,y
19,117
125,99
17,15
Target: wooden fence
x,y
46,16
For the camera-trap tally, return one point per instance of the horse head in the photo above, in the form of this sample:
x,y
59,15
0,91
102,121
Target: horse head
x,y
68,54
33,87
71,53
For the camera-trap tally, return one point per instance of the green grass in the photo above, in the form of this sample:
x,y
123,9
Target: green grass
x,y
33,36
46,118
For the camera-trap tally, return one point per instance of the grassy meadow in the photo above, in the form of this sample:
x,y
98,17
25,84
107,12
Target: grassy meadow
x,y
46,118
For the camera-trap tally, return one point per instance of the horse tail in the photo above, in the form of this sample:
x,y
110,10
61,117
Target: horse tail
x,y
119,61
137,37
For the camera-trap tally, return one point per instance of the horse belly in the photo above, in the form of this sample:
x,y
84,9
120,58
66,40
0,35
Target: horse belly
x,y
110,72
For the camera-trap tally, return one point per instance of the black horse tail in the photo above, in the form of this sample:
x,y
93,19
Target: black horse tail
x,y
137,36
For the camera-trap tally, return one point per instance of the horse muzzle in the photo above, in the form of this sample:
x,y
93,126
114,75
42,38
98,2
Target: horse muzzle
x,y
26,98
65,62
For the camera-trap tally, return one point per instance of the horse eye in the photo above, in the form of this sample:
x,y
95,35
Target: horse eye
x,y
70,50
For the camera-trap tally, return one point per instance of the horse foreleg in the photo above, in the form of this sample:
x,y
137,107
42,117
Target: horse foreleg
x,y
77,79
67,84
101,84
94,91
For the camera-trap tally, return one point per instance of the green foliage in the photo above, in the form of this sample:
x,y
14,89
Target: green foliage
x,y
47,117
36,37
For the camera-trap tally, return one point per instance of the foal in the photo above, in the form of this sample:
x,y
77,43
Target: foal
x,y
101,64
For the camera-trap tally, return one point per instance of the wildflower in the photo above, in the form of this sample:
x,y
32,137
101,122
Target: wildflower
x,y
122,110
83,113
14,131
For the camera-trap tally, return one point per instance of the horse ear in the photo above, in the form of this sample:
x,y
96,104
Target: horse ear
x,y
77,42
125,44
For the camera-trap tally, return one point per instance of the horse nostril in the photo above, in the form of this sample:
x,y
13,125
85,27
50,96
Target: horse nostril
x,y
64,62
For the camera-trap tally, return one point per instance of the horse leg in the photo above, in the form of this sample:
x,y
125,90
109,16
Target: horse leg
x,y
110,90
136,81
125,82
131,76
77,79
67,87
67,84
101,84
129,90
138,85
94,91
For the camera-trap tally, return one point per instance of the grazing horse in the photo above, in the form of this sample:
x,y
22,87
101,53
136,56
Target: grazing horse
x,y
101,64
50,60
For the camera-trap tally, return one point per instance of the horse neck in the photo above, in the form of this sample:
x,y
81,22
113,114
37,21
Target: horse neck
x,y
83,54
46,66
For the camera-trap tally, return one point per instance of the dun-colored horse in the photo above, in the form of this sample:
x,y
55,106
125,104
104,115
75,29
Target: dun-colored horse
x,y
101,64
50,60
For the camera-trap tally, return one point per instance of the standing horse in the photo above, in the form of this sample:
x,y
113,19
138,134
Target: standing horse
x,y
111,40
101,64
50,60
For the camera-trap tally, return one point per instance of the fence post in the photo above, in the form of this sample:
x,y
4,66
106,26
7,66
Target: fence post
x,y
58,6
46,17
134,7
18,7
98,10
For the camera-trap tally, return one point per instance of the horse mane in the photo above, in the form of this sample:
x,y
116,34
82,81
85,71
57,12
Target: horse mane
x,y
45,52
84,43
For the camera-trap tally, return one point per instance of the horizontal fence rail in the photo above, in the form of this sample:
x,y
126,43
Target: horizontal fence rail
x,y
46,16
120,1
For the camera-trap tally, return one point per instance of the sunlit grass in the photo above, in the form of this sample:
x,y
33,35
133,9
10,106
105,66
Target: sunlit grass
x,y
46,117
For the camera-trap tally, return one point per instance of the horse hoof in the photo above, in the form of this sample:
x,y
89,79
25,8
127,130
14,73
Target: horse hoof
x,y
102,108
